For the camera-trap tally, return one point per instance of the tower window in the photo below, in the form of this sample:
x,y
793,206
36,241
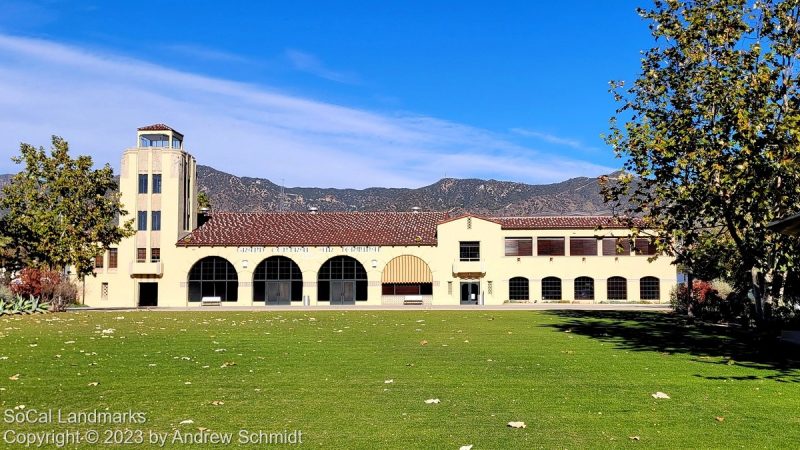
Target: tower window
x,y
156,221
141,220
156,183
141,255
155,254
143,183
112,258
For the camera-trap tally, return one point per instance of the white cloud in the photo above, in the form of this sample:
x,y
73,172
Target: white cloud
x,y
553,139
306,62
96,101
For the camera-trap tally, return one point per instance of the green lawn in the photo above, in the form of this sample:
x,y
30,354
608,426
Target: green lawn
x,y
577,379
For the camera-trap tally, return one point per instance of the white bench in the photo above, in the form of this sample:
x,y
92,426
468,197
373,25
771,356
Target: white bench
x,y
413,300
210,301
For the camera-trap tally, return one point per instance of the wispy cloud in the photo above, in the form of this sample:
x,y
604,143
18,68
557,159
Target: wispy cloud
x,y
206,53
96,100
306,62
553,139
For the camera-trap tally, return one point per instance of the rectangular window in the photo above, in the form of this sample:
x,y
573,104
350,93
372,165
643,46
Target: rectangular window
x,y
470,251
583,246
141,255
156,183
519,246
112,258
550,246
156,221
98,261
644,246
104,291
155,254
616,246
143,183
141,220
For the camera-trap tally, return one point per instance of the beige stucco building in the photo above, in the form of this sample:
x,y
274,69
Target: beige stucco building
x,y
322,258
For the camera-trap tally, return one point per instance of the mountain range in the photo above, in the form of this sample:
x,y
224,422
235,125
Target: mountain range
x,y
576,196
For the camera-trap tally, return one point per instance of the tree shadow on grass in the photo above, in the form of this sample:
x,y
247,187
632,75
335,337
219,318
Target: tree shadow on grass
x,y
668,333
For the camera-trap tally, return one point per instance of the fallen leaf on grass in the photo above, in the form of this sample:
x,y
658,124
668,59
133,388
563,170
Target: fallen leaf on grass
x,y
94,383
634,438
719,418
388,381
660,394
14,377
432,401
517,424
186,422
465,447
423,342
217,403
18,407
227,364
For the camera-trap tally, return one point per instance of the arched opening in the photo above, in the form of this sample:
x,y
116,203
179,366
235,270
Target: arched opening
x,y
584,288
518,289
211,277
551,288
342,280
406,279
617,288
277,280
649,288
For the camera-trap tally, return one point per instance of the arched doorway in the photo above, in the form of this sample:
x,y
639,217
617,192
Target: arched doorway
x,y
342,280
277,280
213,276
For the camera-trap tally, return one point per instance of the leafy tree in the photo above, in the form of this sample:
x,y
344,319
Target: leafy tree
x,y
710,139
203,200
60,210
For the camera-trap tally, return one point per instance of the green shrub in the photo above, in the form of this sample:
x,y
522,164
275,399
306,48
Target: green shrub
x,y
22,305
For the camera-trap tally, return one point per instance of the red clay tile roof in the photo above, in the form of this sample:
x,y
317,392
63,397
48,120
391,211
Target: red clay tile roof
x,y
326,228
562,222
157,127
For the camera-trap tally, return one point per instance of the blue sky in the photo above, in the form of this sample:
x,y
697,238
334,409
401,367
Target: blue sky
x,y
323,93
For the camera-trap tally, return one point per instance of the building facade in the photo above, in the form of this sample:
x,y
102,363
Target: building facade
x,y
382,258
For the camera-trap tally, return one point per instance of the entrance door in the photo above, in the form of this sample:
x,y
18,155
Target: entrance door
x,y
278,293
148,294
343,292
469,293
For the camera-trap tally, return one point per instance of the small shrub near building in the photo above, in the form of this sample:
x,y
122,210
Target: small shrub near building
x,y
712,301
37,290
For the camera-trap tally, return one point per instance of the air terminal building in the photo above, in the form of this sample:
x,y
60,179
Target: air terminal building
x,y
352,258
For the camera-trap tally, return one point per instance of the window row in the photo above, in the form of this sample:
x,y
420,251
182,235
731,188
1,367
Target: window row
x,y
143,183
113,256
141,255
579,246
155,220
616,288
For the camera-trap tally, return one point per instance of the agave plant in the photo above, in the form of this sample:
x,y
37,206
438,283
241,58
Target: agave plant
x,y
37,306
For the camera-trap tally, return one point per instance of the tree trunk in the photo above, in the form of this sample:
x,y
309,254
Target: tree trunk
x,y
758,294
690,293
